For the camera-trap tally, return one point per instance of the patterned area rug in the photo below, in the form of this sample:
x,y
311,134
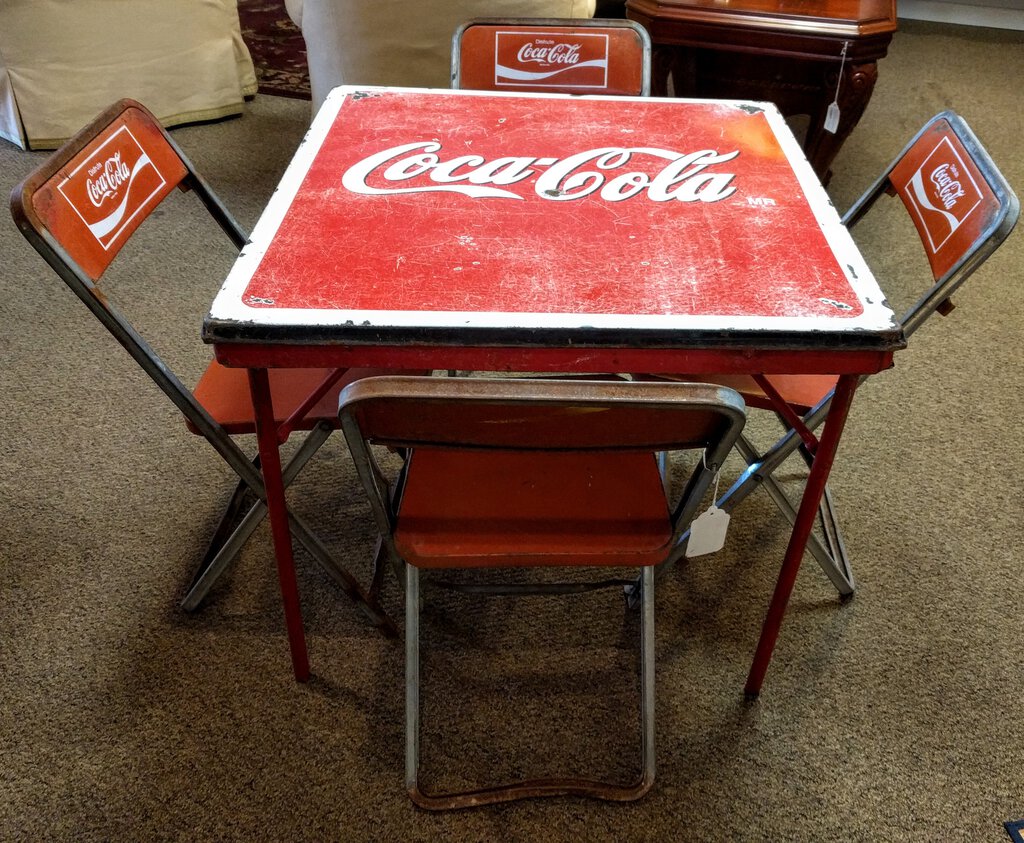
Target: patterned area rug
x,y
277,48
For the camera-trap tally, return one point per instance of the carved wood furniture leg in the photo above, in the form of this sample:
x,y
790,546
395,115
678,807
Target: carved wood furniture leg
x,y
663,59
854,92
685,72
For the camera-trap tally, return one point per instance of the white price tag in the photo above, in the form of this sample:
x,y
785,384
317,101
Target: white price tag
x,y
707,532
832,113
832,118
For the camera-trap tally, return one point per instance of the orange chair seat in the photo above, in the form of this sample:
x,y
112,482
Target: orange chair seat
x,y
801,392
465,508
224,392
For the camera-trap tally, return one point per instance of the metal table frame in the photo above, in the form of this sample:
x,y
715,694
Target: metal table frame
x,y
260,338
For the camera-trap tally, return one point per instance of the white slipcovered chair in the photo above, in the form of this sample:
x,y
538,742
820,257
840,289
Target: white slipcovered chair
x,y
399,42
62,62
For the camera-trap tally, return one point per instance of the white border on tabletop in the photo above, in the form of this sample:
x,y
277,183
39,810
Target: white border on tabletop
x,y
228,306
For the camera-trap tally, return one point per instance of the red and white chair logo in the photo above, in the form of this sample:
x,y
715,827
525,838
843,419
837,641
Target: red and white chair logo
x,y
112,186
579,60
943,193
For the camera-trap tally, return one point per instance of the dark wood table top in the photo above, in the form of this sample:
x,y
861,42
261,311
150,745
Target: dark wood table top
x,y
851,19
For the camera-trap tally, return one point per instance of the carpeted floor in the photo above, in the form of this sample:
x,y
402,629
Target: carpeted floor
x,y
895,717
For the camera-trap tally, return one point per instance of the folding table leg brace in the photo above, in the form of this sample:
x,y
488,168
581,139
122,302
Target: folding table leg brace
x,y
806,515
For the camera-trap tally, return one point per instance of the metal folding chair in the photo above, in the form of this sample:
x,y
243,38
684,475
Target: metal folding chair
x,y
581,461
78,209
963,209
554,55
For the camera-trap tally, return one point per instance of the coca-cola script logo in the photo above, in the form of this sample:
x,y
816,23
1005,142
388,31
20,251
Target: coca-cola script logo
x,y
112,185
578,61
610,172
943,192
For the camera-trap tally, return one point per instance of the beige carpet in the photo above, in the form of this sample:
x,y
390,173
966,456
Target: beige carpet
x,y
898,716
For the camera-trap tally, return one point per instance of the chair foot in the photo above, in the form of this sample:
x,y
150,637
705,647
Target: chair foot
x,y
632,594
535,789
387,626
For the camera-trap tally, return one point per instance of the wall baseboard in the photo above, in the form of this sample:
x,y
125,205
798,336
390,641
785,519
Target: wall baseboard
x,y
961,13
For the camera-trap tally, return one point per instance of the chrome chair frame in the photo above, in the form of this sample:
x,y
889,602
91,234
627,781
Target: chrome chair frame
x,y
227,541
830,552
725,415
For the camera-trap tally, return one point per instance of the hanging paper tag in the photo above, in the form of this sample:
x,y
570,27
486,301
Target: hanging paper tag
x,y
832,118
832,114
707,532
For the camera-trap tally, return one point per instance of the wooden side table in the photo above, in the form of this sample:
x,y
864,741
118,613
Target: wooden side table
x,y
785,51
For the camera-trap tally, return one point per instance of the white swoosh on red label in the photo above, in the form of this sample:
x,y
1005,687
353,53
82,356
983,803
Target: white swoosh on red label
x,y
109,223
503,72
921,197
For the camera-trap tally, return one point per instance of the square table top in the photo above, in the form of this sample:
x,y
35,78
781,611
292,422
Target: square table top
x,y
412,216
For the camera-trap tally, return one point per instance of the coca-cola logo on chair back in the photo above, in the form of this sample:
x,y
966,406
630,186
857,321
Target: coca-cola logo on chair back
x,y
948,198
122,169
564,59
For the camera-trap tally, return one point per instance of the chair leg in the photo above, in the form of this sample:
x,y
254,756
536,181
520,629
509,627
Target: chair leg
x,y
836,568
647,679
225,547
222,532
230,548
663,469
227,553
833,558
829,521
834,537
382,556
763,465
536,787
412,682
349,584
759,467
380,563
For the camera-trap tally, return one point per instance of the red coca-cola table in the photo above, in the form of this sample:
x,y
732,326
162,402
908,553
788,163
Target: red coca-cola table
x,y
528,232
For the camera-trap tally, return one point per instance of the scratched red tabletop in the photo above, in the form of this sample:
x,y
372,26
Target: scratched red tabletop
x,y
436,218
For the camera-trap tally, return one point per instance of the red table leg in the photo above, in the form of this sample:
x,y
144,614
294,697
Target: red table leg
x,y
805,519
270,460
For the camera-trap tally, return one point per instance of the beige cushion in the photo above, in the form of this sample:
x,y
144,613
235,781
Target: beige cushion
x,y
399,42
62,62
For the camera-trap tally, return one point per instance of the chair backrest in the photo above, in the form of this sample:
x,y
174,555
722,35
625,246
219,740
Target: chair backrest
x,y
83,203
530,414
959,202
87,199
563,56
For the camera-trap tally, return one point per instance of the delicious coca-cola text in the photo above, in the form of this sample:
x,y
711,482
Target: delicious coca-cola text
x,y
946,179
420,168
549,53
112,174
